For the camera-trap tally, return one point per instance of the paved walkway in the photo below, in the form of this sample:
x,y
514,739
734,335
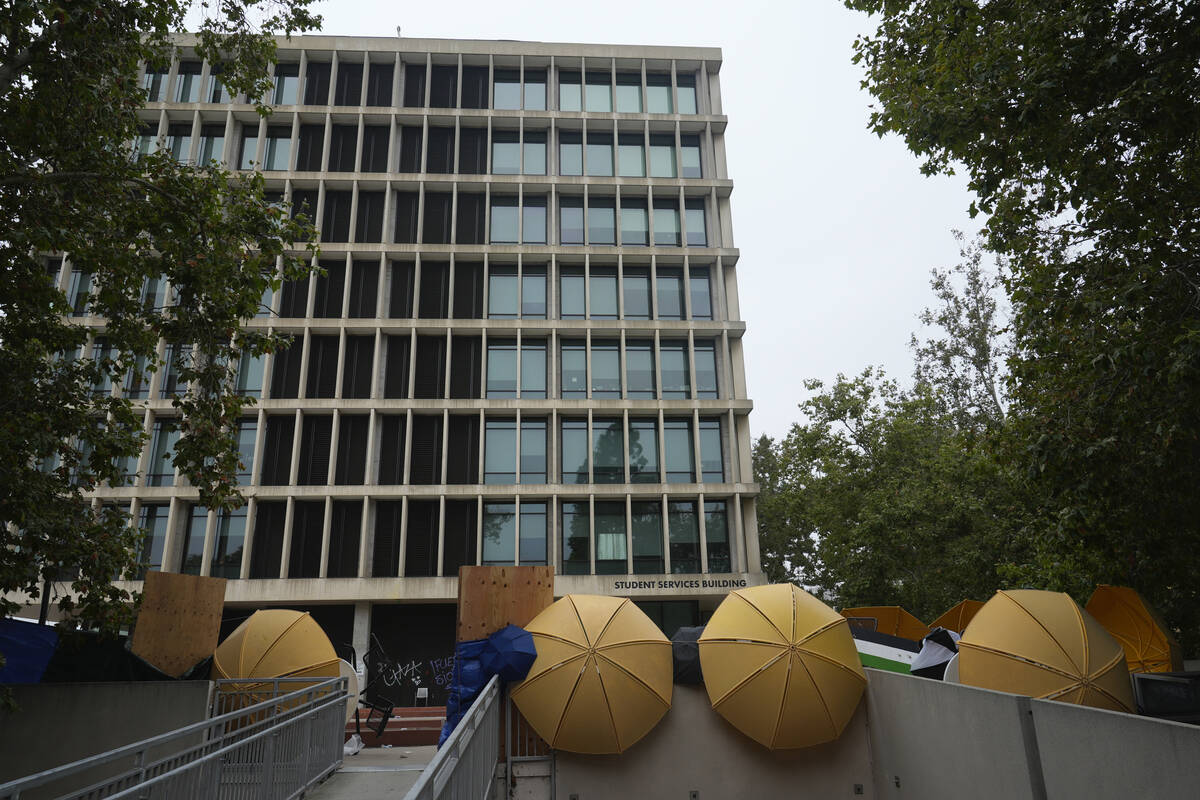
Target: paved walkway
x,y
376,773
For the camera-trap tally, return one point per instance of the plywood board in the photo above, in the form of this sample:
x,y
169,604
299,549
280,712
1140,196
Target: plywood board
x,y
179,621
491,597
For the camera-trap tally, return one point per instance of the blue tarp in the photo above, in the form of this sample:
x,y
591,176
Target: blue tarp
x,y
27,649
508,653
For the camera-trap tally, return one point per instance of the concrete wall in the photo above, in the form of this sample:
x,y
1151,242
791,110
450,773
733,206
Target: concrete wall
x,y
57,723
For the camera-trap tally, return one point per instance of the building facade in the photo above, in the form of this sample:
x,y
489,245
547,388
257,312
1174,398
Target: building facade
x,y
525,347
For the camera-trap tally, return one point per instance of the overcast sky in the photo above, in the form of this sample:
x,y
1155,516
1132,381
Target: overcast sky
x,y
837,228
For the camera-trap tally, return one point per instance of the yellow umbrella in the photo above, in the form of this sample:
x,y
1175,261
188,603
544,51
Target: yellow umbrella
x,y
1042,644
602,678
276,643
1148,643
958,617
892,620
781,666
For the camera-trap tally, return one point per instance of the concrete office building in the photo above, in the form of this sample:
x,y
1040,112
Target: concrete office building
x,y
525,349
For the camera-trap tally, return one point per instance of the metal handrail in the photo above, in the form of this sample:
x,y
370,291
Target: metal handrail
x,y
466,764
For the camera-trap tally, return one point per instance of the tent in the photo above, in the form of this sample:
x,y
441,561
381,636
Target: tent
x,y
1148,643
958,617
892,620
276,643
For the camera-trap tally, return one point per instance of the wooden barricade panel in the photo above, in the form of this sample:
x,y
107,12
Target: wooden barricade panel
x,y
491,597
179,620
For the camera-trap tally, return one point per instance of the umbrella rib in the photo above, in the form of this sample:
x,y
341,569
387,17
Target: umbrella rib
x,y
782,636
835,663
613,616
262,656
738,640
1051,636
632,675
545,672
818,693
748,678
557,638
1087,650
608,707
1015,657
567,705
831,624
579,617
787,682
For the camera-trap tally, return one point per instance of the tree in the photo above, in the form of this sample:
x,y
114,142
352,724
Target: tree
x,y
1078,125
69,183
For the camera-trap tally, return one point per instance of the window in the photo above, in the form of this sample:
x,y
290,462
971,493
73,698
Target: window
x,y
216,91
345,530
410,149
716,535
712,465
675,378
506,152
436,228
658,94
600,154
535,90
145,143
368,226
534,149
425,460
322,366
470,218
571,294
102,354
603,285
689,151
576,533
278,150
503,297
610,538
504,221
506,89
643,451
662,156
499,533
175,356
533,452
533,368
639,370
666,223
574,369
608,451
276,459
316,83
685,537
212,143
629,92
474,87
705,355
533,220
350,469
574,440
179,142
414,85
294,302
308,523
533,293
192,557
406,217
250,375
598,92
391,449
364,289
400,294
343,146
154,523
696,229
602,222
533,533
420,551
606,369
230,541
500,451
155,84
137,380
647,538
309,148
462,447
472,151
466,366
440,157
379,84
267,552
316,435
435,283
635,222
287,81
187,82
249,148
385,557
160,471
571,221
348,89
430,368
502,368
375,148
677,444
247,429
458,542
570,91
637,293
669,283
701,293
443,87
335,223
285,371
570,153
686,89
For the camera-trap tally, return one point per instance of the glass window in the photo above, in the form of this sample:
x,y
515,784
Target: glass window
x,y
685,537
499,533
154,522
696,229
643,451
230,539
504,220
212,143
669,283
647,538
574,439
533,533
604,293
662,156
686,85
571,220
500,451
246,430
574,369
193,541
278,150
533,452
608,451
631,156
677,447
706,370
250,375
658,94
602,220
187,90
535,153
155,84
533,368
179,142
675,374
502,368
506,91
716,535
610,537
175,356
102,352
599,91
570,91
137,380
576,531
637,293
701,293
145,143
571,294
535,90
689,152
502,293
216,91
160,471
287,82
635,222
506,153
606,369
629,92
533,220
712,464
533,293
639,370
600,154
666,223
570,153
249,147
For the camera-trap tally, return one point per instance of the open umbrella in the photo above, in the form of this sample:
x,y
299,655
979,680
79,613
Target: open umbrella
x,y
509,653
892,620
958,617
1148,643
1042,644
781,666
602,678
276,643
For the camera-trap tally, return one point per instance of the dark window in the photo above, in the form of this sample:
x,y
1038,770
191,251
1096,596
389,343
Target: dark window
x,y
608,451
379,84
391,449
475,87
468,291
465,366
458,547
462,454
716,535
430,368
308,521
576,529
436,226
230,540
316,85
309,148
425,461
315,436
343,146
285,370
443,87
277,451
348,91
647,538
410,149
160,471
407,204
671,615
472,151
267,551
395,375
420,552
345,530
470,222
440,158
369,224
304,202
400,296
385,557
435,286
350,469
375,148
610,538
327,304
364,289
335,225
322,366
685,537
356,371
643,451
414,85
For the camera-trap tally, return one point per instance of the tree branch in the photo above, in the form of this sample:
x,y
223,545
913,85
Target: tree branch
x,y
58,177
